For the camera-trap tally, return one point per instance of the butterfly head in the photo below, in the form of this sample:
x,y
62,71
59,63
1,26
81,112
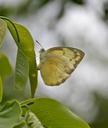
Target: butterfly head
x,y
42,50
42,53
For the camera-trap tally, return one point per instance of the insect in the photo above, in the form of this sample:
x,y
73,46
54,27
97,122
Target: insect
x,y
57,64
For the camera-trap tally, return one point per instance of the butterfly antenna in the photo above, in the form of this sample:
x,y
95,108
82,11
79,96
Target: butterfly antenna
x,y
39,44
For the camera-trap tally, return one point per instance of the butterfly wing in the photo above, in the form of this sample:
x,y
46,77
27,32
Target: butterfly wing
x,y
58,63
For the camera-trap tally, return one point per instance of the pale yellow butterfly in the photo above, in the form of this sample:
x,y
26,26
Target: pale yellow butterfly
x,y
57,63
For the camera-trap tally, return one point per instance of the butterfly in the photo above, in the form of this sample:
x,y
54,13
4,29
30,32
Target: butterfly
x,y
57,64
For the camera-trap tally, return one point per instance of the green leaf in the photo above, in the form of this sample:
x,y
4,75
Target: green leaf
x,y
25,43
21,125
22,70
1,90
3,28
5,67
53,114
10,114
32,120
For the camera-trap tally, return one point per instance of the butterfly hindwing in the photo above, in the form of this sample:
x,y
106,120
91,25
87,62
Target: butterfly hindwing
x,y
58,63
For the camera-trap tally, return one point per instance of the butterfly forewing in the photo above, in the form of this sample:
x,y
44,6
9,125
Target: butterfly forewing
x,y
58,63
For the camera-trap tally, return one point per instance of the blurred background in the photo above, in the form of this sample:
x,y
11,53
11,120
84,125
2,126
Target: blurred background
x,y
75,23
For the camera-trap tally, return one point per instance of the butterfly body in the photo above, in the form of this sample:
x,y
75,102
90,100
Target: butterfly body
x,y
56,64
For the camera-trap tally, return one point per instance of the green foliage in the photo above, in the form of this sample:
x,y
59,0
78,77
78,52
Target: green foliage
x,y
10,114
1,90
105,17
33,113
21,125
21,70
3,27
53,114
5,67
32,121
25,53
79,1
25,45
101,120
5,71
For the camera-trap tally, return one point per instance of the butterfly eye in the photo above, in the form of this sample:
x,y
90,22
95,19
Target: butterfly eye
x,y
42,50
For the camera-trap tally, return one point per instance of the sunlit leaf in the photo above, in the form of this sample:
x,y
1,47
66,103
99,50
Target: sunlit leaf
x,y
54,115
10,114
25,43
5,67
1,90
3,28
